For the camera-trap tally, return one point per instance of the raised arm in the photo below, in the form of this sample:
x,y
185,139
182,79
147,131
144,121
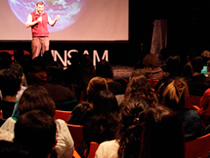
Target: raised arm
x,y
52,22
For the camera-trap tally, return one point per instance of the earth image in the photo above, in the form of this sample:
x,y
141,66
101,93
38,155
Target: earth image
x,y
69,11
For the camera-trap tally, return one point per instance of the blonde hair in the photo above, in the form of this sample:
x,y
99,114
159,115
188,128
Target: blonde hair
x,y
177,89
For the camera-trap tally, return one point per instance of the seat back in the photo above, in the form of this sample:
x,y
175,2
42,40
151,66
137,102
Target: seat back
x,y
63,115
152,82
76,133
92,150
76,155
199,147
193,100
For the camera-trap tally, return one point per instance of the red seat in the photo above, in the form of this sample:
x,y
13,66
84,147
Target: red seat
x,y
193,100
92,150
152,82
199,147
76,133
76,155
63,115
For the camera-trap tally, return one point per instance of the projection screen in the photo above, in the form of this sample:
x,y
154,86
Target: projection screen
x,y
80,20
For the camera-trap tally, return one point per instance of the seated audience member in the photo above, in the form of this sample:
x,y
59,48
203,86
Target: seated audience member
x,y
152,67
63,97
36,97
139,86
10,84
103,123
36,130
208,69
199,82
206,56
128,139
204,110
104,69
84,110
71,75
19,68
175,97
163,135
37,75
5,61
86,72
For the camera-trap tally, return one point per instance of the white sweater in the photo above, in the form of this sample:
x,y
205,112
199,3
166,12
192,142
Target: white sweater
x,y
65,144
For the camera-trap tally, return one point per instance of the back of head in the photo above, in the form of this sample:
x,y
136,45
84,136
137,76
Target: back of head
x,y
10,81
104,69
130,131
139,86
206,56
55,72
176,94
173,66
163,134
36,97
105,103
18,67
5,60
197,64
95,85
151,60
37,131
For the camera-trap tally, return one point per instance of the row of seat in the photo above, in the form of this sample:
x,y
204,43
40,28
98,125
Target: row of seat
x,y
199,147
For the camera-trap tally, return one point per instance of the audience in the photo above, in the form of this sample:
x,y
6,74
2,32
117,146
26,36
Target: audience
x,y
128,139
36,132
37,75
163,135
35,97
139,86
104,69
148,123
175,97
63,97
199,82
206,56
152,67
10,84
103,123
84,110
86,72
5,61
208,69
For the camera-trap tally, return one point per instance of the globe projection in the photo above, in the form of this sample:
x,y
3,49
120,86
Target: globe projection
x,y
69,11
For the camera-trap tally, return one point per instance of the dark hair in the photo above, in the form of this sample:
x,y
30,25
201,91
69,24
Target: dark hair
x,y
36,97
86,71
130,128
37,131
10,81
5,60
105,102
197,64
55,72
39,3
95,85
17,67
163,134
151,60
104,69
